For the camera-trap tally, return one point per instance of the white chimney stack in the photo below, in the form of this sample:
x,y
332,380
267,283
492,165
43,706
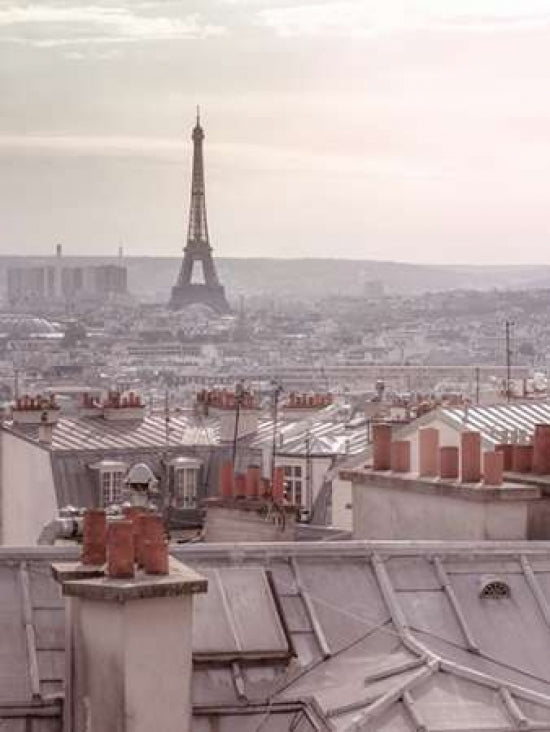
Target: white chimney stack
x,y
129,643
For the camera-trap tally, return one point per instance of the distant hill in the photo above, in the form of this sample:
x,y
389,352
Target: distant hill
x,y
150,278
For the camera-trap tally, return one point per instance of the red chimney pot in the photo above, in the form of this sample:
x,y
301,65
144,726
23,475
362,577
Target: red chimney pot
x,y
94,536
120,550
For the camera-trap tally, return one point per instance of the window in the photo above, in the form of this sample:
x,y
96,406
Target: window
x,y
111,487
185,487
294,484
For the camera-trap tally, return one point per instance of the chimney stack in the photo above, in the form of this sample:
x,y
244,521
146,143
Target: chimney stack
x,y
129,635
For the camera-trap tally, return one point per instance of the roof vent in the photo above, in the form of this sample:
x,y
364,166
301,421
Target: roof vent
x,y
140,474
494,588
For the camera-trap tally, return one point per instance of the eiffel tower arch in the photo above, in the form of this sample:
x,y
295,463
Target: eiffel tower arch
x,y
198,251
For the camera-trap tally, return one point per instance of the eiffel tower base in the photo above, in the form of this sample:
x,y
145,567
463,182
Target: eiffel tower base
x,y
199,294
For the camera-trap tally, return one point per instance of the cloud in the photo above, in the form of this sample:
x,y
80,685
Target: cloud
x,y
51,25
266,159
363,18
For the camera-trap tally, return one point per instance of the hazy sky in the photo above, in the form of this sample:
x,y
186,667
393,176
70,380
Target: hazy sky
x,y
416,130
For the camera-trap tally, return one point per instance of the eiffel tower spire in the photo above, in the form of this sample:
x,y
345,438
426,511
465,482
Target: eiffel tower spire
x,y
198,250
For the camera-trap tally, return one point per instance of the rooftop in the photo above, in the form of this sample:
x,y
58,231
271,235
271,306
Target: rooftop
x,y
323,435
501,422
389,636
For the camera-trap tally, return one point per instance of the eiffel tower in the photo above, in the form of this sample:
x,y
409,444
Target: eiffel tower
x,y
198,252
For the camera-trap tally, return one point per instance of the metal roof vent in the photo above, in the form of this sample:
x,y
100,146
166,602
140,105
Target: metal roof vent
x,y
494,588
141,474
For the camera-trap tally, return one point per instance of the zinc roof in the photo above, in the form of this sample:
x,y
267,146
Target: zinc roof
x,y
500,422
95,433
318,436
325,436
383,636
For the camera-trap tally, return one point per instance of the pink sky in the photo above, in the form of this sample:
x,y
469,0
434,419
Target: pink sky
x,y
407,130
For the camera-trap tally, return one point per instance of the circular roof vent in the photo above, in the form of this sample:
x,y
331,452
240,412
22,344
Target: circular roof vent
x,y
494,588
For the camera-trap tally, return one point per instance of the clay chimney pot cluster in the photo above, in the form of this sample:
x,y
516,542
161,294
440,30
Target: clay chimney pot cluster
x,y
249,484
137,539
226,399
447,462
38,403
529,458
308,401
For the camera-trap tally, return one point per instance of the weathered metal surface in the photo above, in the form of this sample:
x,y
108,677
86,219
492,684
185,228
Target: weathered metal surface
x,y
500,422
412,672
238,616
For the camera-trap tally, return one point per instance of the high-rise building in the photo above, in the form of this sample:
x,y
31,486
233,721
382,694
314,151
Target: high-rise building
x,y
205,290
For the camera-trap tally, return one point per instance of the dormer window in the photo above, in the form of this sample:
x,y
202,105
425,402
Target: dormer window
x,y
294,484
110,482
185,482
111,487
185,487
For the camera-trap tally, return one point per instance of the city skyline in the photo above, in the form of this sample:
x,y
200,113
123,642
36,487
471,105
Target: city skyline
x,y
387,131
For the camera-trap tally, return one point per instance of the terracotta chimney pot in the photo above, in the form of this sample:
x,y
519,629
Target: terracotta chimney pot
x,y
541,449
522,458
155,556
401,456
252,481
428,449
381,447
506,450
493,464
94,537
448,463
279,484
471,457
120,550
226,479
240,486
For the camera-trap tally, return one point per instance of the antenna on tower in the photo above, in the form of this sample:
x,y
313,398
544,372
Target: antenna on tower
x,y
198,115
